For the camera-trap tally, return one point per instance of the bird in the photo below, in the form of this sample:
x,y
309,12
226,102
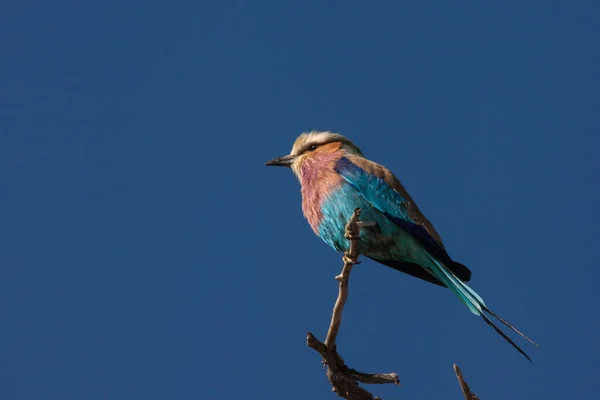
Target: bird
x,y
336,178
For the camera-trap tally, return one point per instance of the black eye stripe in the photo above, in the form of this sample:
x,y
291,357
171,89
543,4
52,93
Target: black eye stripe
x,y
312,147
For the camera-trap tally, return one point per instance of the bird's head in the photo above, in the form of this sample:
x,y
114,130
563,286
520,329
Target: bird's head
x,y
311,146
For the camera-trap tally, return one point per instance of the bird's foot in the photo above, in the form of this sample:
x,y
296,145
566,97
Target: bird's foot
x,y
352,234
350,260
363,224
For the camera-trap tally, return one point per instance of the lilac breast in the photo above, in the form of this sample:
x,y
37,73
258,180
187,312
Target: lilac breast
x,y
318,180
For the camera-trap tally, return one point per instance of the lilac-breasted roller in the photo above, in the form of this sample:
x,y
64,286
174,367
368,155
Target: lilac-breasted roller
x,y
336,179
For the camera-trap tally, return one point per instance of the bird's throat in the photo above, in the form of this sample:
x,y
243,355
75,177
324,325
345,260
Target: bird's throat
x,y
318,179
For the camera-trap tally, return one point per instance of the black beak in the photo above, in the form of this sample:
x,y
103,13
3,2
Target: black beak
x,y
285,161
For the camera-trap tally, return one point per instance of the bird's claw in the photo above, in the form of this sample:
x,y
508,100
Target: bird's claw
x,y
348,260
363,224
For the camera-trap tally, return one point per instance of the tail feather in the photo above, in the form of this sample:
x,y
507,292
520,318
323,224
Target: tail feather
x,y
509,340
461,289
493,314
474,302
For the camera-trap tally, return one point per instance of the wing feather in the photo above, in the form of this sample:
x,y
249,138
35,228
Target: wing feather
x,y
384,191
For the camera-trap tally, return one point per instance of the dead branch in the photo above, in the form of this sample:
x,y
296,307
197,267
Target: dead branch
x,y
345,381
463,385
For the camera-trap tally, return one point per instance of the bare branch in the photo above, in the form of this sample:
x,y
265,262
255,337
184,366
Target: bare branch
x,y
350,259
345,381
463,385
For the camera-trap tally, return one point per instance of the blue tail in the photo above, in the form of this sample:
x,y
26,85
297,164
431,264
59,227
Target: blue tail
x,y
472,300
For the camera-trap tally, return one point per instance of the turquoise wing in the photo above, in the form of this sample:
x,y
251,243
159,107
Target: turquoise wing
x,y
376,190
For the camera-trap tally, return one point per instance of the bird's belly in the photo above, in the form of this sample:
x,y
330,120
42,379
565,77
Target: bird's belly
x,y
380,239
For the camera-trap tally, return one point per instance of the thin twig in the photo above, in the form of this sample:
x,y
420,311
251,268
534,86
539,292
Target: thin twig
x,y
345,381
463,385
350,259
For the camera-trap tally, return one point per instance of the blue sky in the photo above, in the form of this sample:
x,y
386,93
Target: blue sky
x,y
147,253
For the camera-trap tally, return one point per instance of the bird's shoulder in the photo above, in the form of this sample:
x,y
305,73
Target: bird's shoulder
x,y
381,172
357,168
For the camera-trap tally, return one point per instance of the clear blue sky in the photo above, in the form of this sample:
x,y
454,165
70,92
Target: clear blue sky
x,y
147,253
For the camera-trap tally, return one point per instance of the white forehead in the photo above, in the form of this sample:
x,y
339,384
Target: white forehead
x,y
315,137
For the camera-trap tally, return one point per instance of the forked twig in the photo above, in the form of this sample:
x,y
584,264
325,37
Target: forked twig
x,y
345,381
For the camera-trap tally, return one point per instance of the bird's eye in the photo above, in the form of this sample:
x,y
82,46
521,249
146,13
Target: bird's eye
x,y
312,147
